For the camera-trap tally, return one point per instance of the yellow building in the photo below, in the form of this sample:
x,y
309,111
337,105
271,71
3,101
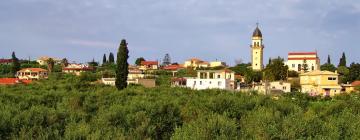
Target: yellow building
x,y
323,83
348,88
196,63
217,64
257,50
32,74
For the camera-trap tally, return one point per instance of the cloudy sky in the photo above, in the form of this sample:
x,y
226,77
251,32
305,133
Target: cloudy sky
x,y
81,30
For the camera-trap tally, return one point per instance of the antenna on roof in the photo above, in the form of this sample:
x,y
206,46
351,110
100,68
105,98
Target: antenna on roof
x,y
257,24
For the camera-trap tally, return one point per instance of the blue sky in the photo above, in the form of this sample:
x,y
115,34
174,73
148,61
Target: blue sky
x,y
208,29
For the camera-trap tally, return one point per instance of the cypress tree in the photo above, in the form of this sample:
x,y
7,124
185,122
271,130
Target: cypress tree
x,y
50,64
166,60
328,60
342,60
104,59
122,66
15,64
111,58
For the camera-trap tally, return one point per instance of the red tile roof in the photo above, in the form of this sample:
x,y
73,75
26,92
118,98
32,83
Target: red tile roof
x,y
302,53
311,58
172,67
32,69
84,68
5,61
13,81
149,62
355,83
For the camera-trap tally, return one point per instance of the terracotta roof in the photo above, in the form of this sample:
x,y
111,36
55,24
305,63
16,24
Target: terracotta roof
x,y
178,79
172,67
13,81
302,53
355,83
84,68
5,60
32,69
304,58
149,62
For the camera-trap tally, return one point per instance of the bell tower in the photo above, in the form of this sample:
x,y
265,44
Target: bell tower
x,y
257,50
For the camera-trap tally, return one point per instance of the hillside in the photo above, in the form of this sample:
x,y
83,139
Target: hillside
x,y
68,107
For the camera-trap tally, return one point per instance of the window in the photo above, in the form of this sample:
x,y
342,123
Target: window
x,y
218,76
219,83
331,78
293,65
200,82
299,67
312,68
209,82
194,82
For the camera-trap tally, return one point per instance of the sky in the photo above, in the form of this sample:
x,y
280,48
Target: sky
x,y
81,30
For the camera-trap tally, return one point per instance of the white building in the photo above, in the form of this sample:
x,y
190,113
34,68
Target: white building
x,y
296,60
43,60
210,79
273,87
77,69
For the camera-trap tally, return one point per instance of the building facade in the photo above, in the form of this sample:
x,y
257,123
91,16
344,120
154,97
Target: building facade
x,y
149,65
43,60
257,50
324,83
212,79
32,74
77,69
297,60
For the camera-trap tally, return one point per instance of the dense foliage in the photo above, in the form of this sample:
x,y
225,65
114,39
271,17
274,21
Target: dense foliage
x,y
122,66
69,107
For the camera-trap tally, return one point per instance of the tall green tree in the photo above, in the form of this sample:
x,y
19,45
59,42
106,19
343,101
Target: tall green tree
x,y
15,64
139,60
328,60
64,62
93,63
50,64
328,67
104,59
354,72
166,60
111,58
122,70
276,70
342,61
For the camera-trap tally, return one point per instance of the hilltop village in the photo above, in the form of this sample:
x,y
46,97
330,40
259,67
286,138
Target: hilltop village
x,y
300,72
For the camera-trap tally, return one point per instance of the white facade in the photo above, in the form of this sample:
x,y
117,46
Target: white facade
x,y
273,86
296,61
212,79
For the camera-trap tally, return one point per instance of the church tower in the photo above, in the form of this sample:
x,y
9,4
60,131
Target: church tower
x,y
257,50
